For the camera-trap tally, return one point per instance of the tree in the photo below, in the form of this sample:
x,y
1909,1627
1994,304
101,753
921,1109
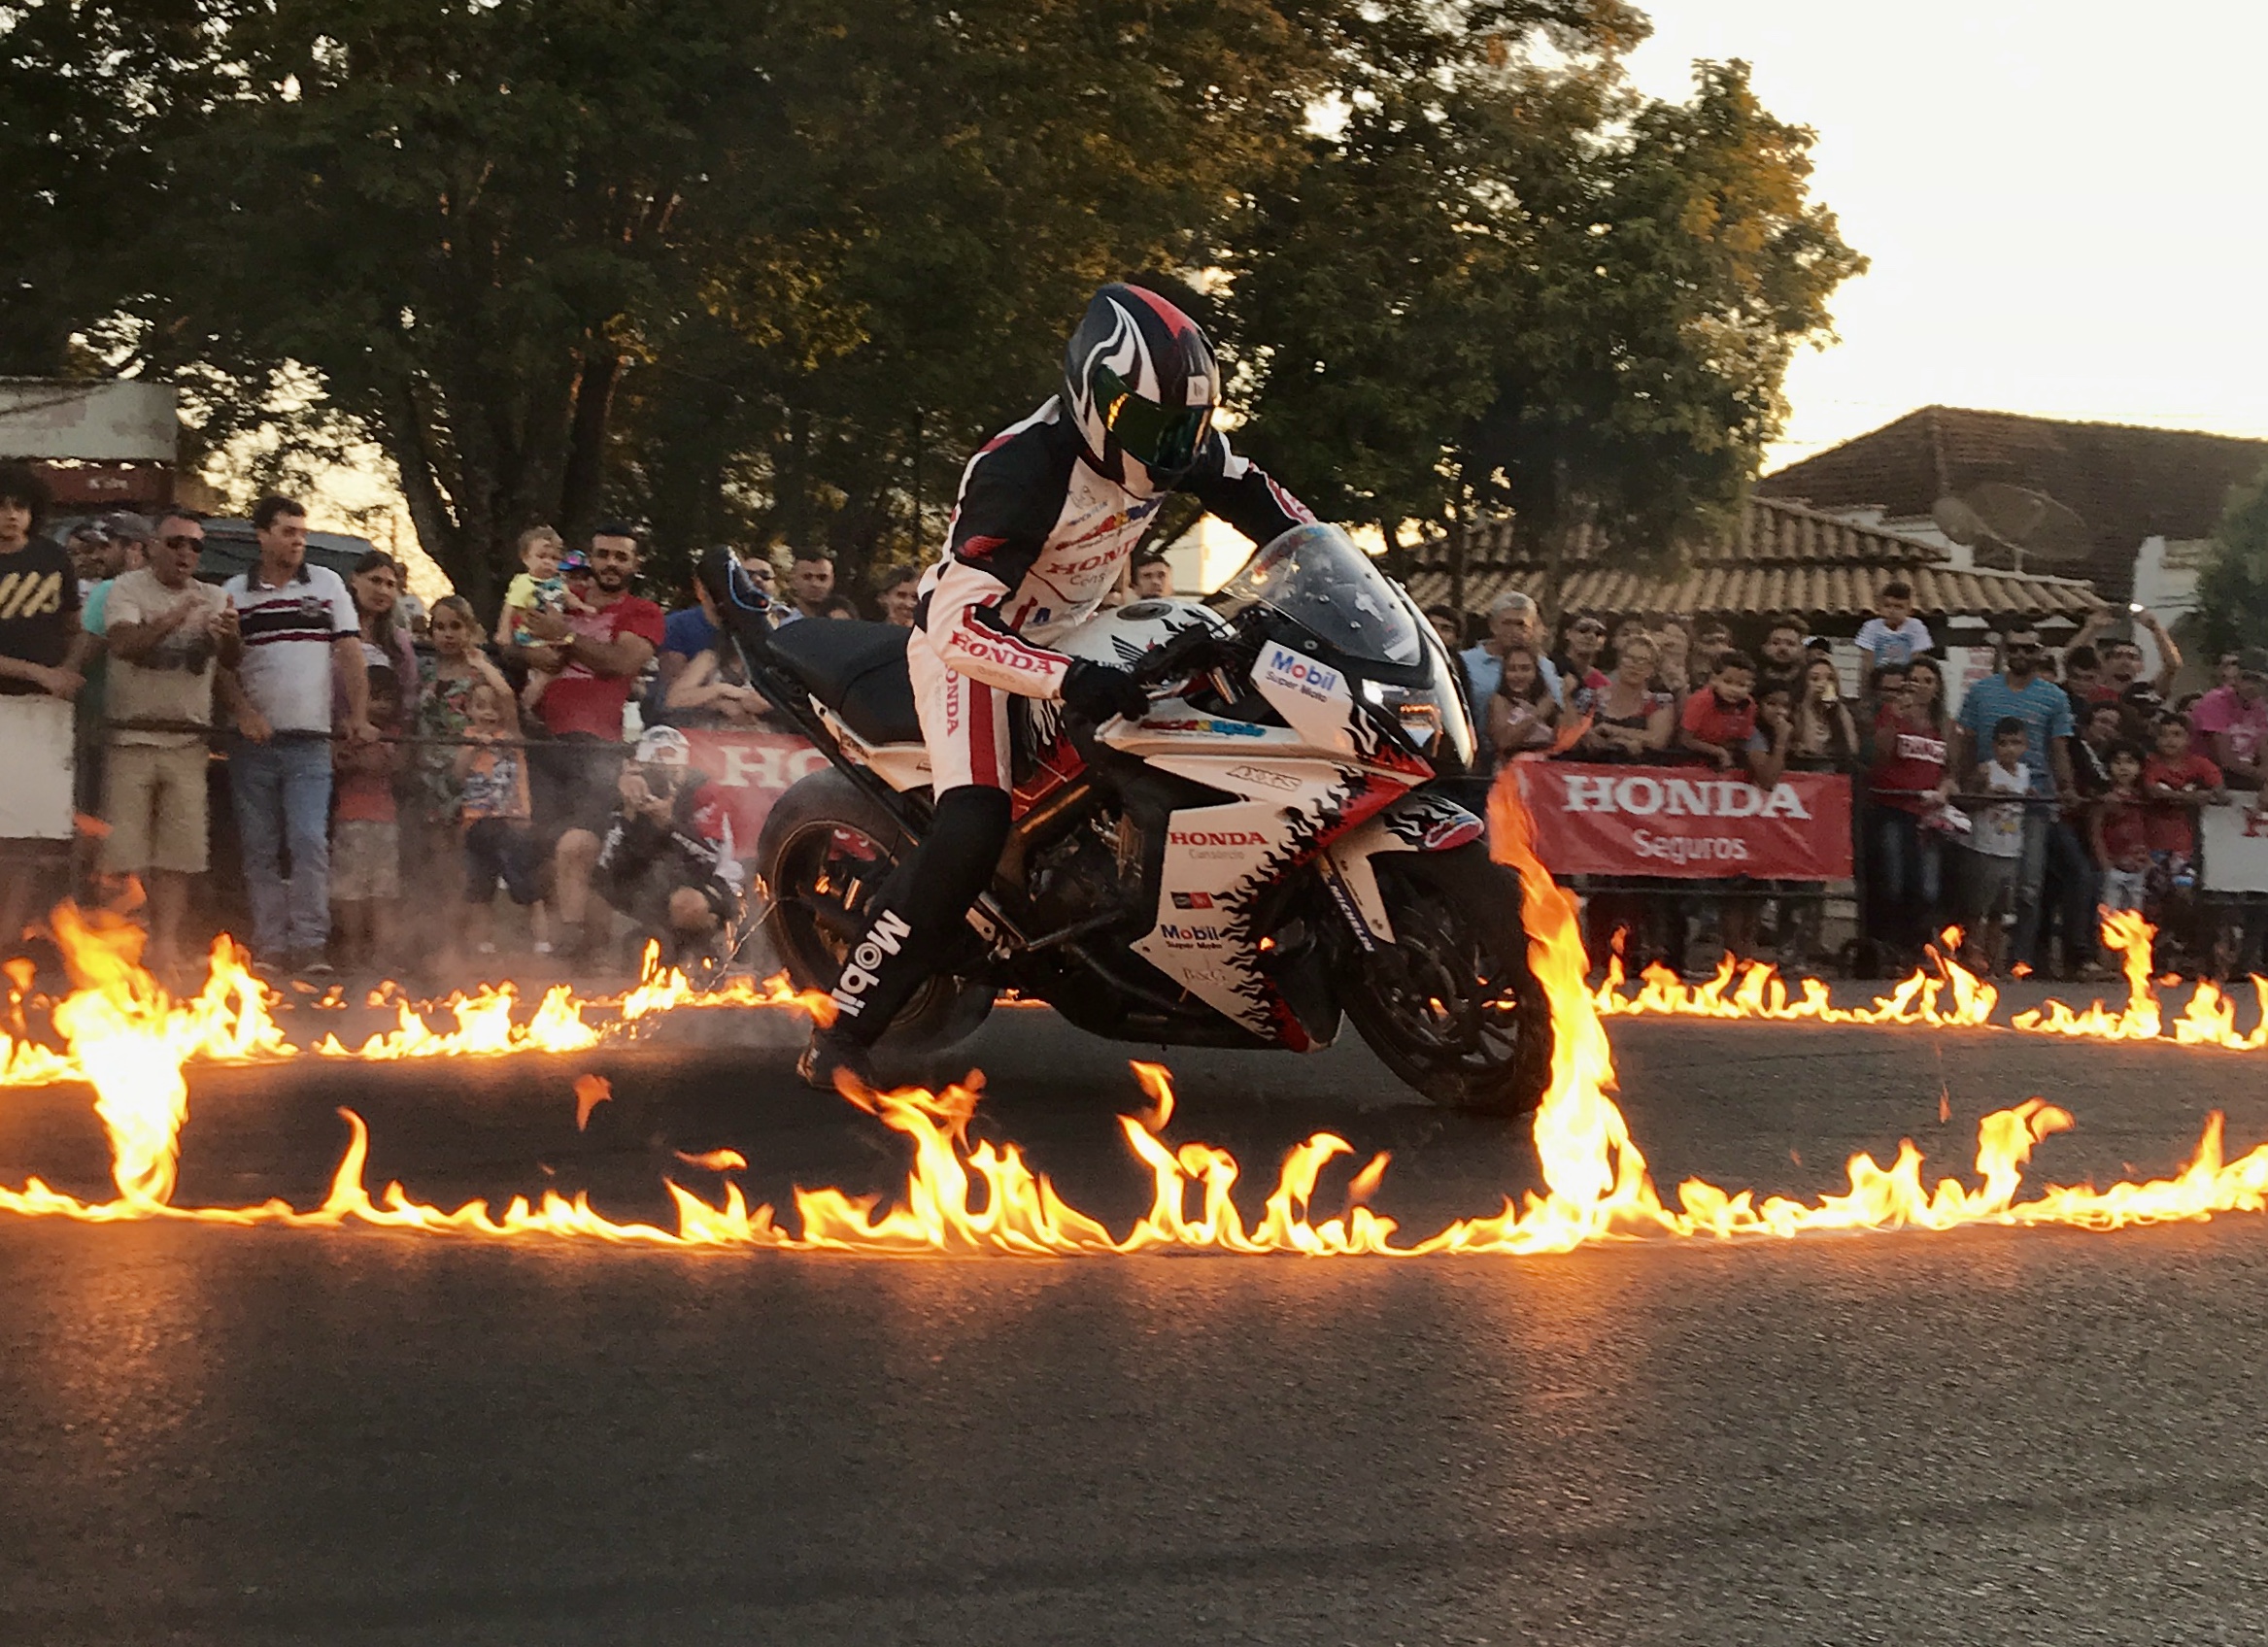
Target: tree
x,y
2232,589
1516,287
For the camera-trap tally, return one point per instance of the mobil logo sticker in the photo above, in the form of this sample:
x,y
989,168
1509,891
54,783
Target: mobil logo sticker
x,y
1303,675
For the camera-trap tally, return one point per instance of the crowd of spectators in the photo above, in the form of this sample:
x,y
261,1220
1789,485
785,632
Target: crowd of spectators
x,y
374,753
2104,775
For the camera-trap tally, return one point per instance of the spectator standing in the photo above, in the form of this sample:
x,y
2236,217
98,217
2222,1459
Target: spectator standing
x,y
366,832
1999,840
2231,720
712,689
2120,833
123,545
1782,662
1634,718
1521,716
1894,635
2175,778
1447,626
302,640
167,635
2083,674
1675,670
1153,577
89,552
2041,709
1512,622
377,589
1712,640
810,584
1825,737
493,811
1907,788
690,630
42,647
597,657
457,667
898,598
1719,720
1582,640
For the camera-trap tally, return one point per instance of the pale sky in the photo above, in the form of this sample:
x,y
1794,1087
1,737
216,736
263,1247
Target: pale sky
x,y
2063,200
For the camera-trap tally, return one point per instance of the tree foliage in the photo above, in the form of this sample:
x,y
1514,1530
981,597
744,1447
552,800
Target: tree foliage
x,y
2232,589
773,267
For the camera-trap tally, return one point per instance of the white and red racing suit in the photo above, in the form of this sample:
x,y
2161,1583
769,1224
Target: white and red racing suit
x,y
1038,539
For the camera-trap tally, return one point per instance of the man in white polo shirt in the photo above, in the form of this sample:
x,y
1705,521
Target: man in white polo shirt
x,y
300,632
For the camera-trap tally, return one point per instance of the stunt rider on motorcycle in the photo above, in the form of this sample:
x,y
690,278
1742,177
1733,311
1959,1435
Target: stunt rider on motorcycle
x,y
1049,511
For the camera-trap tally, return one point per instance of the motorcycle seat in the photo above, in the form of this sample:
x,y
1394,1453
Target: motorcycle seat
x,y
858,670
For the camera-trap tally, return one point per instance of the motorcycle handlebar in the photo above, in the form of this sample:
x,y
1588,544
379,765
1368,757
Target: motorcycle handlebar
x,y
1169,660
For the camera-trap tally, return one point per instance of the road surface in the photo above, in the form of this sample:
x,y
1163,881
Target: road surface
x,y
262,1436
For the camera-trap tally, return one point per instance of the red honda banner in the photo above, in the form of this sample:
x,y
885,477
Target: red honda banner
x,y
1687,822
751,770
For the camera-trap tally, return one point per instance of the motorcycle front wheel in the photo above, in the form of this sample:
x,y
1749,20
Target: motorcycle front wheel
x,y
1451,1006
826,848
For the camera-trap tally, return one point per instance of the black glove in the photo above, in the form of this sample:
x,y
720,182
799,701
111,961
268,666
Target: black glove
x,y
1095,692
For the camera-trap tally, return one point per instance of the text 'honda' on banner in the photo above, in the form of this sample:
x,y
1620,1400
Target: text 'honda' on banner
x,y
751,770
1688,822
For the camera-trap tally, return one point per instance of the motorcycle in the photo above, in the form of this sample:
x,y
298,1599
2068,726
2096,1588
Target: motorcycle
x,y
1273,844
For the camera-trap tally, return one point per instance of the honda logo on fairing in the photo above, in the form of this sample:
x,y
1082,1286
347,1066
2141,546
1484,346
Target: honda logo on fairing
x,y
1680,797
886,937
1216,838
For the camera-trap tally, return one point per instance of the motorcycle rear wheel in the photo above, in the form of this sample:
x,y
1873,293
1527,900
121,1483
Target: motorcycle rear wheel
x,y
1442,1007
827,846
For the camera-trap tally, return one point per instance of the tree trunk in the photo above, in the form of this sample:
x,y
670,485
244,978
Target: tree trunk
x,y
582,483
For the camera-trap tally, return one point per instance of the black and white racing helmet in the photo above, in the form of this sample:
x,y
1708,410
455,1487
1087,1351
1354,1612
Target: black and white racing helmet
x,y
1142,383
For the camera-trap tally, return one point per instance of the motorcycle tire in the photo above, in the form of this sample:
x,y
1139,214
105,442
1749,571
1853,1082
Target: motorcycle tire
x,y
1442,1007
825,848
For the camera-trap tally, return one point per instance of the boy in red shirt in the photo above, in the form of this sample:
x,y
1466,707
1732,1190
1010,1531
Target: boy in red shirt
x,y
2119,826
1719,722
2176,770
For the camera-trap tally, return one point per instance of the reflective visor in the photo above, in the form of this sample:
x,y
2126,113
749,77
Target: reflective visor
x,y
1163,439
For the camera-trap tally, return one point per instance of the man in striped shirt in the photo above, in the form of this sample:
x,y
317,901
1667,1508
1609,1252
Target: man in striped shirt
x,y
300,632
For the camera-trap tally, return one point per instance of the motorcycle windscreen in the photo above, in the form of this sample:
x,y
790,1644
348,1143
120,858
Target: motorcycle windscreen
x,y
1316,577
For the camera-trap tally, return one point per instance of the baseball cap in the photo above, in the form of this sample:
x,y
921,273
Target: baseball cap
x,y
127,527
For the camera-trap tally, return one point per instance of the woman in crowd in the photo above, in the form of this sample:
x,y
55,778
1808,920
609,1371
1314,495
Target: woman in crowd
x,y
1825,738
1673,668
457,667
377,586
712,689
1634,717
1582,639
1906,790
1521,713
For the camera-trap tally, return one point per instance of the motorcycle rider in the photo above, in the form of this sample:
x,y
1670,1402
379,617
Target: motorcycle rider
x,y
1048,512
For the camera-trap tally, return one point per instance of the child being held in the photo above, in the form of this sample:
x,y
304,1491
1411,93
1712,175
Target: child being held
x,y
1996,840
2119,832
491,775
539,587
1897,636
365,880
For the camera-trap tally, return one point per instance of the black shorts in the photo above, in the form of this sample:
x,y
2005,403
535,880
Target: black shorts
x,y
499,849
572,783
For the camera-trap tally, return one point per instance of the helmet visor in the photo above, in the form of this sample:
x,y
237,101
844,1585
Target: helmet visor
x,y
1164,439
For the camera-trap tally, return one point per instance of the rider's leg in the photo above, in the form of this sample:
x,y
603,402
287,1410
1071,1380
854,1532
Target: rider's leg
x,y
921,907
920,911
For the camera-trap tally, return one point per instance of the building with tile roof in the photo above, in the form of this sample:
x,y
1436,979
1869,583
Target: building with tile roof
x,y
2127,485
1783,558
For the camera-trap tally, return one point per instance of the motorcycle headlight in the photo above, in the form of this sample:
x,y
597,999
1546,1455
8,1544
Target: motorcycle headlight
x,y
1432,717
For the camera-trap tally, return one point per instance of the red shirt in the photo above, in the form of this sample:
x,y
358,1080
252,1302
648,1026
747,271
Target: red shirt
x,y
581,701
2173,828
365,784
1906,757
2125,831
1714,721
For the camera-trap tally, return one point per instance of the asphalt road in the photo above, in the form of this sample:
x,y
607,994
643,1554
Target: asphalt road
x,y
254,1437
